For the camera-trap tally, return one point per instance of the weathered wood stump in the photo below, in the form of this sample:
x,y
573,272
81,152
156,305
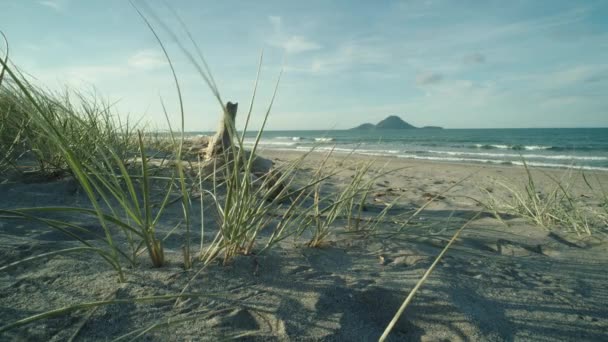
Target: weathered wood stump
x,y
221,143
221,152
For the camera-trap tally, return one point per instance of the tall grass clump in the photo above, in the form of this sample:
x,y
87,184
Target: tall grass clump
x,y
247,195
601,195
34,120
347,203
40,109
244,199
550,207
112,171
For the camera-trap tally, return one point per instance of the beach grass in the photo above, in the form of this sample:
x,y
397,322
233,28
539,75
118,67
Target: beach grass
x,y
553,207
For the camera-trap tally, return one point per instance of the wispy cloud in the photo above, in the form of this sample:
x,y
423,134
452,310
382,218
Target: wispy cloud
x,y
298,44
147,59
276,22
92,74
577,74
55,5
351,55
292,44
561,78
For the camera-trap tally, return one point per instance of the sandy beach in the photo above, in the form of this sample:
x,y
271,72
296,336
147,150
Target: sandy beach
x,y
500,281
303,171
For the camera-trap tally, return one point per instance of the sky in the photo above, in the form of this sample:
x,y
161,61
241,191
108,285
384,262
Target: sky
x,y
456,64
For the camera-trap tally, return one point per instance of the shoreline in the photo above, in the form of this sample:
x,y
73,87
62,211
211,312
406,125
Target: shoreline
x,y
270,152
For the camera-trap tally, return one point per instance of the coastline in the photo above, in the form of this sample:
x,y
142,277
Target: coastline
x,y
551,148
516,169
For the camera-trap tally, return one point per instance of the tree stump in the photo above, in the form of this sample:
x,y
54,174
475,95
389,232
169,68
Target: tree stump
x,y
221,151
221,143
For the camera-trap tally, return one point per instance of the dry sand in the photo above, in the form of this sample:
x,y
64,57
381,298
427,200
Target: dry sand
x,y
498,283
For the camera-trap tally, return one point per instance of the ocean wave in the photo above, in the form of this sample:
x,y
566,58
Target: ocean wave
x,y
562,166
324,139
453,158
536,147
578,148
290,138
350,150
270,143
513,155
513,147
503,162
490,146
456,156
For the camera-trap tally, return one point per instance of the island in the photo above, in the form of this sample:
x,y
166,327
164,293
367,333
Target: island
x,y
391,122
431,127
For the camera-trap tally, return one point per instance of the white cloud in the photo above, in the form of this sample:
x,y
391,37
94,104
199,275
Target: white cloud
x,y
276,22
292,44
91,74
577,74
298,44
349,55
147,59
52,4
564,77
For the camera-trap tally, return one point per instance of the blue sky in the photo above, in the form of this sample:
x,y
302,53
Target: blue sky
x,y
457,64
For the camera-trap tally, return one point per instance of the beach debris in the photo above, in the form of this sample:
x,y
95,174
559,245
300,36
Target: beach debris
x,y
513,248
221,151
430,196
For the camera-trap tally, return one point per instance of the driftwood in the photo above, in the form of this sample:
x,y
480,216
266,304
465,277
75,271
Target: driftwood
x,y
221,143
221,151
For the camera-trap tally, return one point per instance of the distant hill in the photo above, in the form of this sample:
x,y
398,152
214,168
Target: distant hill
x,y
391,122
366,126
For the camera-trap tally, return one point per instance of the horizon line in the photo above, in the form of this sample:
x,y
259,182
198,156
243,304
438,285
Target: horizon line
x,y
406,129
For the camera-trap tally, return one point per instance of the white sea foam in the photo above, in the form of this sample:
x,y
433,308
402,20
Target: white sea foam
x,y
290,138
502,147
497,161
452,159
451,156
562,166
324,139
535,147
514,155
349,150
512,147
270,143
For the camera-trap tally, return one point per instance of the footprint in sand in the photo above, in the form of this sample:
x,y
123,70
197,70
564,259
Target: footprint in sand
x,y
512,248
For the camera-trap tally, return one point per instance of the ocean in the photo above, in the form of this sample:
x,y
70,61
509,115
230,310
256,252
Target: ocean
x,y
584,148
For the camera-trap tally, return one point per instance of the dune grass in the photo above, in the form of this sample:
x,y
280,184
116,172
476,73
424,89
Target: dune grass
x,y
600,213
556,208
32,119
